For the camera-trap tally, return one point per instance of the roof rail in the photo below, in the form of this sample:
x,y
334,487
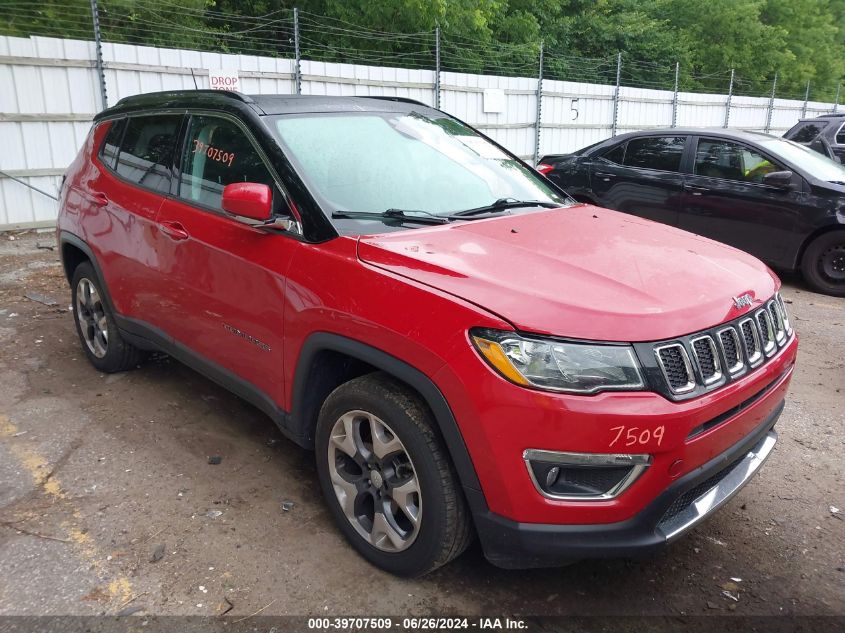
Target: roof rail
x,y
398,99
186,93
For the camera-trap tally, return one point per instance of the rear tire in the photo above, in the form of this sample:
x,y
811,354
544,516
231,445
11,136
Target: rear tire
x,y
95,325
387,478
823,264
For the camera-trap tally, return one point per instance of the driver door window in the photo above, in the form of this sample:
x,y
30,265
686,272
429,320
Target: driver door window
x,y
731,161
219,153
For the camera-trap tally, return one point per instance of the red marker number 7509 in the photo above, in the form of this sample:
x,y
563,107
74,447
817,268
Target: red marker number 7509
x,y
633,436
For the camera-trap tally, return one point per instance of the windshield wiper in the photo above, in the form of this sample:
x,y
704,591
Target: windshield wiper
x,y
412,215
503,204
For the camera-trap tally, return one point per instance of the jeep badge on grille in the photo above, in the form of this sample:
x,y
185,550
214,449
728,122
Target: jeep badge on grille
x,y
742,300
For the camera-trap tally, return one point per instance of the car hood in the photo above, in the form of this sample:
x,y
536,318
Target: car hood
x,y
580,272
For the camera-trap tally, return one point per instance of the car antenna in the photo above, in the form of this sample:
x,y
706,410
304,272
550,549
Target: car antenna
x,y
195,79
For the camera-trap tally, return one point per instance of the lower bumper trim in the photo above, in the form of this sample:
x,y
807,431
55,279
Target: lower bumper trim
x,y
511,544
711,497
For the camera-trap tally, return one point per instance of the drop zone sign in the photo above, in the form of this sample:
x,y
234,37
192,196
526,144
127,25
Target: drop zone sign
x,y
224,80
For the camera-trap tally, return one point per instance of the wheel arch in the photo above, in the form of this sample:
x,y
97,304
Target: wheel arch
x,y
75,251
328,360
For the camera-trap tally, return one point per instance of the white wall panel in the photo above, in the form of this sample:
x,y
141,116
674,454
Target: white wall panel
x,y
52,91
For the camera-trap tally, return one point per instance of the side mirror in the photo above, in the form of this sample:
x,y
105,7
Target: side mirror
x,y
248,200
778,179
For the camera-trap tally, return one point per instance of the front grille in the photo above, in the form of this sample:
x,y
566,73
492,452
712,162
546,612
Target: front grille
x,y
777,322
675,364
767,335
729,340
692,364
707,358
751,339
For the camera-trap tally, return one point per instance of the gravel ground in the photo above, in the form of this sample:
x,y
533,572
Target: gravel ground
x,y
108,502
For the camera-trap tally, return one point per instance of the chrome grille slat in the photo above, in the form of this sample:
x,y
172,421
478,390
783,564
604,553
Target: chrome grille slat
x,y
776,315
731,349
751,340
707,359
675,364
767,331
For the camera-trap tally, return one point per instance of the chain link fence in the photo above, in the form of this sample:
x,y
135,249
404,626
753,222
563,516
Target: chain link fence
x,y
67,59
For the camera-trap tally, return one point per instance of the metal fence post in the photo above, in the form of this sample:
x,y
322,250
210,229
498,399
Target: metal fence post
x,y
437,67
297,70
98,50
675,96
616,94
806,99
728,102
771,105
537,124
836,103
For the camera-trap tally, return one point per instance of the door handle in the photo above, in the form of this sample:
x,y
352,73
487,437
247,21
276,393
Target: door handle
x,y
605,175
174,230
99,199
696,190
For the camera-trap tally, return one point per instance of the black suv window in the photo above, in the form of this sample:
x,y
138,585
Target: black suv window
x,y
218,153
108,152
806,132
840,135
732,161
655,152
146,153
616,154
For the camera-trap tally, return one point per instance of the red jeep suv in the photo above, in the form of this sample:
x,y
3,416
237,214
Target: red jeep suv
x,y
466,349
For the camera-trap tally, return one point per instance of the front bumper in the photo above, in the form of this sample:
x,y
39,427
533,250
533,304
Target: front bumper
x,y
690,500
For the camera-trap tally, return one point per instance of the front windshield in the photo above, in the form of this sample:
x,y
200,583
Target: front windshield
x,y
371,162
812,162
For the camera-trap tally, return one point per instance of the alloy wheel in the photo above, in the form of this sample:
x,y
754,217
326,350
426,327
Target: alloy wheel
x,y
92,318
375,481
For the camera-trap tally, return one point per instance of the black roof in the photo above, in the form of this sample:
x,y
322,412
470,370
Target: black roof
x,y
259,104
829,115
739,135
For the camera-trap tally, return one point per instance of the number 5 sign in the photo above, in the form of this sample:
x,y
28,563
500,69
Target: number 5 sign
x,y
224,80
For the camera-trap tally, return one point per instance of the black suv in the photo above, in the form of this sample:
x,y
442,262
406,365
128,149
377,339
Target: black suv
x,y
824,134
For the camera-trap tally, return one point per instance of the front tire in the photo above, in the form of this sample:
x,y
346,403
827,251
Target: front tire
x,y
95,325
387,478
823,264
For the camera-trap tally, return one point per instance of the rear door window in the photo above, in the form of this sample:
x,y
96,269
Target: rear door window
x,y
840,135
219,153
655,152
806,132
146,154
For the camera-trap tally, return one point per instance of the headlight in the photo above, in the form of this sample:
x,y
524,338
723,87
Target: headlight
x,y
559,366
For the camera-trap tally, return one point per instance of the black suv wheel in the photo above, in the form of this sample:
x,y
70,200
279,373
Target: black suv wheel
x,y
98,333
387,478
823,264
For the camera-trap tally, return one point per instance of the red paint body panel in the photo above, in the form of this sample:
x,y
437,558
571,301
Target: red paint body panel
x,y
581,272
200,277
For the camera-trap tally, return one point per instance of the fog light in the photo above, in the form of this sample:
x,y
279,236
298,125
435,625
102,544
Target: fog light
x,y
583,476
551,478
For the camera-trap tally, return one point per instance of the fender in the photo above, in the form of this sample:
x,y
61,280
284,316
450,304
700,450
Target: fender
x,y
303,409
66,237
